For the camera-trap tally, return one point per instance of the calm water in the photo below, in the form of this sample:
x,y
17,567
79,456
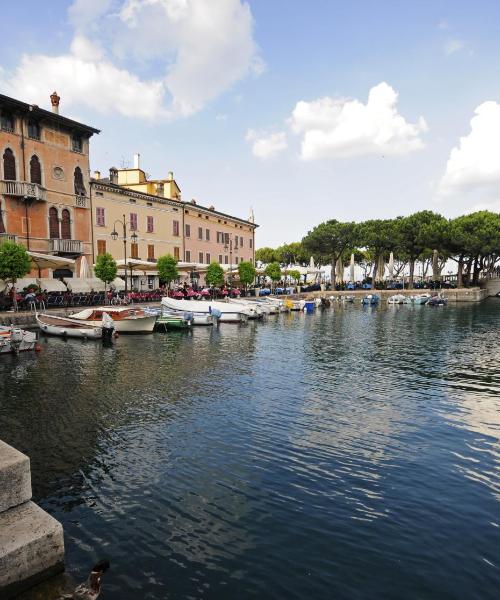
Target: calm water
x,y
351,454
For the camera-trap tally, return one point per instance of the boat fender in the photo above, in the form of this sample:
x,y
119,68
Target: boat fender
x,y
216,313
188,316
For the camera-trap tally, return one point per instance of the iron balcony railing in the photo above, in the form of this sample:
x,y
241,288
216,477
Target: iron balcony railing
x,y
23,189
7,237
65,246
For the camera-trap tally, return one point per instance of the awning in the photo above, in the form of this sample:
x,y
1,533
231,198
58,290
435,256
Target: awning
x,y
51,285
137,265
48,261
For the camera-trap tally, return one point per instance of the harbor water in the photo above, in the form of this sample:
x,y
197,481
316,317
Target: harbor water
x,y
353,453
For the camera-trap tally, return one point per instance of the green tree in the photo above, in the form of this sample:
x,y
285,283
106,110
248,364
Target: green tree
x,y
329,241
273,271
295,275
167,269
105,268
293,253
265,255
15,263
215,274
378,237
247,273
416,236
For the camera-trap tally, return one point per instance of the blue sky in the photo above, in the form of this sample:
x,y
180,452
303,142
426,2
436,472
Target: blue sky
x,y
266,104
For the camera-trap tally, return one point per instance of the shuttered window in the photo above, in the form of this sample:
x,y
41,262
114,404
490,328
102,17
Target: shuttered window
x,y
53,223
200,257
35,170
250,241
151,251
101,246
150,224
99,216
65,225
207,235
176,253
220,259
188,230
9,165
78,180
188,255
175,227
200,233
134,250
207,258
133,222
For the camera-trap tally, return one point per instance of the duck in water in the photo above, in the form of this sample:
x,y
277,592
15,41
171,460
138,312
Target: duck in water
x,y
91,589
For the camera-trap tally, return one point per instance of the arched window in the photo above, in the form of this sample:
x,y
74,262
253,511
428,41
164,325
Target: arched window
x,y
53,223
65,225
35,170
9,165
79,187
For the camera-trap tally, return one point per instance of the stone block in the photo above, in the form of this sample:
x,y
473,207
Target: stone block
x,y
15,477
31,548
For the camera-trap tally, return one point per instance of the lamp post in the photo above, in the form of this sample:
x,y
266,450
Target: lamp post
x,y
230,248
133,239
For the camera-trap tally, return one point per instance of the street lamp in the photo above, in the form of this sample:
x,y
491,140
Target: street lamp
x,y
133,239
230,248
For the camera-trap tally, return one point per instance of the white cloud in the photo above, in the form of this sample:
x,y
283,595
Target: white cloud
x,y
266,145
197,50
452,46
474,164
341,128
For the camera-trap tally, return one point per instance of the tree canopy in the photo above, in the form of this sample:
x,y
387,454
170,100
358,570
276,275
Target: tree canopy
x,y
167,269
215,274
15,263
246,273
105,267
273,271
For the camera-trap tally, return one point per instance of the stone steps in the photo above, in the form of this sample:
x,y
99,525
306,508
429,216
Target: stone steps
x,y
31,541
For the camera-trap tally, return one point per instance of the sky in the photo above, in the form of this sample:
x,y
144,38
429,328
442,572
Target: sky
x,y
301,111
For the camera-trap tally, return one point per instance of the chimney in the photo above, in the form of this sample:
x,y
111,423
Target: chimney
x,y
54,99
137,161
170,176
97,175
113,175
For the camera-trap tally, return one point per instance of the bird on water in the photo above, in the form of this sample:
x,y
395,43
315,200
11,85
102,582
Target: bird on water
x,y
91,589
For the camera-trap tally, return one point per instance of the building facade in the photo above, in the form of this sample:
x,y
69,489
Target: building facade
x,y
44,180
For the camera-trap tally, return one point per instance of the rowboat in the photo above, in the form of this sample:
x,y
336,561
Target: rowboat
x,y
396,299
64,327
14,340
171,322
371,299
224,312
126,319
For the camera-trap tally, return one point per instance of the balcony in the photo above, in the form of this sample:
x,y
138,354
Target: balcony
x,y
59,246
151,259
81,201
7,237
23,189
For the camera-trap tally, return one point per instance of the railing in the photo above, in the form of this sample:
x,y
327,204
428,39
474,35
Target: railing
x,y
7,237
65,246
24,189
81,201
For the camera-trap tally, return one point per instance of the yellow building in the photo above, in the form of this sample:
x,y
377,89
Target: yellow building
x,y
136,179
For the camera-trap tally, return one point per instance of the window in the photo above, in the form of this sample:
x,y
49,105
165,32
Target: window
x,y
9,165
186,212
76,143
7,121
175,227
65,224
241,241
220,259
200,257
101,246
207,258
219,237
134,250
176,253
35,170
2,225
207,235
188,255
200,233
133,221
225,259
188,230
33,129
53,223
207,217
236,259
78,179
236,243
150,224
99,216
151,252
226,239
250,241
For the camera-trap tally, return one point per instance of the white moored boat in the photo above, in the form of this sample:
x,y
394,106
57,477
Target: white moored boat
x,y
63,327
223,311
254,310
14,340
126,319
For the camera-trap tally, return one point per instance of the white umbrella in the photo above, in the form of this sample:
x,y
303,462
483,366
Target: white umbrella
x,y
351,269
84,272
391,265
48,261
311,263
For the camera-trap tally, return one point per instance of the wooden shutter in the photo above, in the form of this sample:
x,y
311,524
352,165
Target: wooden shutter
x,y
134,250
101,246
9,165
176,253
150,224
151,251
35,170
99,216
53,223
65,225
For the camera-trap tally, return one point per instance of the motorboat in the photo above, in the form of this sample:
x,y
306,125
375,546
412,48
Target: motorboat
x,y
14,340
371,299
224,312
126,319
254,310
436,301
173,322
63,327
421,298
397,299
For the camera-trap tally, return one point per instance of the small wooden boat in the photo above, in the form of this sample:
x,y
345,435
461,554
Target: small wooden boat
x,y
14,340
126,319
222,311
396,299
63,327
171,323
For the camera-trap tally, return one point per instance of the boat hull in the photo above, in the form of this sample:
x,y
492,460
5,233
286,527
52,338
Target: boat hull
x,y
62,327
229,313
16,340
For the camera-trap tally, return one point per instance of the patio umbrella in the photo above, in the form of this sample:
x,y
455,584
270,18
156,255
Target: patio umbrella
x,y
391,265
84,271
311,263
48,261
351,269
